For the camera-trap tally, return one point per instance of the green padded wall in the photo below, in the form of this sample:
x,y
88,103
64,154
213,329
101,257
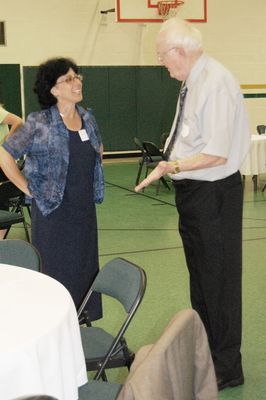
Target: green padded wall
x,y
30,99
95,92
10,95
156,102
127,102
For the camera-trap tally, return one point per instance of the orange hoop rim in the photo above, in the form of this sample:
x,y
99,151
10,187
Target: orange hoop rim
x,y
164,6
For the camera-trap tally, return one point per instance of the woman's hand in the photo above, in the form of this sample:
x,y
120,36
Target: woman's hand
x,y
163,168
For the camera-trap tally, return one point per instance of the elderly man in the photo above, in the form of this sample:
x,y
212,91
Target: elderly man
x,y
208,141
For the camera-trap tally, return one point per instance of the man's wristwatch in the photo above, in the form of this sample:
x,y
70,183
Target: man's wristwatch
x,y
176,166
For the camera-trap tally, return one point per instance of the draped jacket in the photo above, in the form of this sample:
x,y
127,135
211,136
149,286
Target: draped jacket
x,y
44,140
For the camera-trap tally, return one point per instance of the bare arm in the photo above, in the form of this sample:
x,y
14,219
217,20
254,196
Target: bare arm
x,y
13,121
198,161
11,170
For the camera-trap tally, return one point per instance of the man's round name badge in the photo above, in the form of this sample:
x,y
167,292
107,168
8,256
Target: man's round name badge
x,y
83,135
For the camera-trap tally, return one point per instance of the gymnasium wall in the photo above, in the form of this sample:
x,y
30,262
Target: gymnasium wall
x,y
234,34
10,89
127,102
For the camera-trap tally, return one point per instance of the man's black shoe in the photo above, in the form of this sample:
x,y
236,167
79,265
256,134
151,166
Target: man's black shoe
x,y
225,383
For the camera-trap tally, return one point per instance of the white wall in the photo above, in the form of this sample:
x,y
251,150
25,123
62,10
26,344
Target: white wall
x,y
235,34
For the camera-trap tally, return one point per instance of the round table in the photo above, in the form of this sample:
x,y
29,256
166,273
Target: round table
x,y
40,344
255,162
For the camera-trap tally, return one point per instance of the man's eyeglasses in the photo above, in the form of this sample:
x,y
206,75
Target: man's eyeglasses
x,y
71,78
161,56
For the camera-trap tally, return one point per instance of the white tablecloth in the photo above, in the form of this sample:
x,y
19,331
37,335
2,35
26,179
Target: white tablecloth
x,y
40,345
255,162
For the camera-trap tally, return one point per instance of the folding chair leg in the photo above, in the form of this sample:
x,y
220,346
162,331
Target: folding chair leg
x,y
146,174
139,173
158,187
7,231
165,183
29,210
255,182
26,231
104,376
129,356
24,223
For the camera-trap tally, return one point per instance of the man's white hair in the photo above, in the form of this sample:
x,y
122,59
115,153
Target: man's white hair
x,y
180,33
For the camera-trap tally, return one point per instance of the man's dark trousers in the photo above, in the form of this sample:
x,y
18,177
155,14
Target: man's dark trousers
x,y
210,225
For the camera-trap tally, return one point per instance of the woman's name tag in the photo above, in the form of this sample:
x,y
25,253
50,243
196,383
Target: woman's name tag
x,y
83,135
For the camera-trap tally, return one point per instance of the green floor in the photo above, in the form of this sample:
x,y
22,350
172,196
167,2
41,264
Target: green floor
x,y
143,229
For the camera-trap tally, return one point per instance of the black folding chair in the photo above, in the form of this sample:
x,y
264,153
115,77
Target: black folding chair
x,y
261,129
99,390
14,198
155,155
20,253
145,161
125,282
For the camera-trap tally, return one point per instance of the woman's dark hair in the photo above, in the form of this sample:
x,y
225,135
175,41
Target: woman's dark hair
x,y
47,75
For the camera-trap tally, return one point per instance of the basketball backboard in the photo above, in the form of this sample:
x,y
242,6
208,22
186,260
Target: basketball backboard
x,y
147,11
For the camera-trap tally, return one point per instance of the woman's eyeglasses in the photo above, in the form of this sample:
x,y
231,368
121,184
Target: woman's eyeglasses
x,y
71,78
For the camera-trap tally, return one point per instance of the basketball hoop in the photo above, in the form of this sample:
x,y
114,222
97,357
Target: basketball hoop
x,y
168,9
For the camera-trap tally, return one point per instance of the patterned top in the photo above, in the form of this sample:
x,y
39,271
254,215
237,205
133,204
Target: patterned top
x,y
44,139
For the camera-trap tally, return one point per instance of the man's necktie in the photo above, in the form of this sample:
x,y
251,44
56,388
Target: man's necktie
x,y
170,146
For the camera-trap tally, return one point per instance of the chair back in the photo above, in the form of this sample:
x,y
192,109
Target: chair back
x,y
8,191
152,150
8,218
261,129
12,196
14,199
139,144
122,280
20,253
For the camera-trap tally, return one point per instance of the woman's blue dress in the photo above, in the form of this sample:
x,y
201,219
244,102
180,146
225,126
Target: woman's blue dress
x,y
67,238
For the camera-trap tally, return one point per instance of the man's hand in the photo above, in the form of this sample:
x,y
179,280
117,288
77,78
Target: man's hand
x,y
163,168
